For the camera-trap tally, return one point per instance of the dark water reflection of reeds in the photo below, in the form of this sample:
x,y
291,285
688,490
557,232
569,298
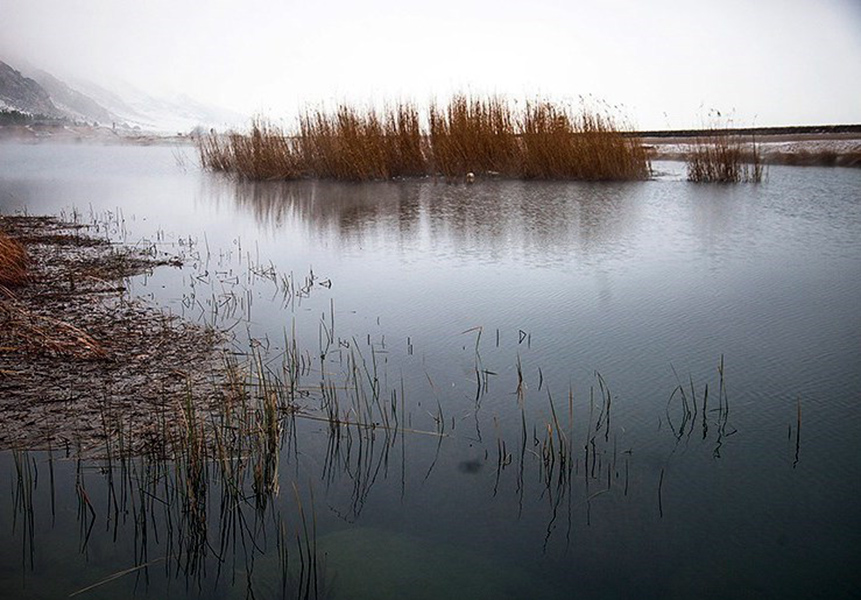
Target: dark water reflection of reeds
x,y
487,220
243,515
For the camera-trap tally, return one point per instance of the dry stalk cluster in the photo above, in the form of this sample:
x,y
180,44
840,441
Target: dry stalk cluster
x,y
29,330
74,347
721,156
479,135
13,262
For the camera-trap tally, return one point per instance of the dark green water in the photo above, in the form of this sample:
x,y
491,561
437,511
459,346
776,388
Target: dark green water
x,y
583,289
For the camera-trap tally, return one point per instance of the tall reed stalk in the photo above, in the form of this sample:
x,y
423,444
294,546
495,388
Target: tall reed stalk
x,y
476,135
721,156
559,143
468,134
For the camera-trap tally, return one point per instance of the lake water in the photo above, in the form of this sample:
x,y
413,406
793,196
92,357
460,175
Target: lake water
x,y
504,321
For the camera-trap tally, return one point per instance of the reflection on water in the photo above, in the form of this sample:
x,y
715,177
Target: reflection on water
x,y
628,390
496,219
289,517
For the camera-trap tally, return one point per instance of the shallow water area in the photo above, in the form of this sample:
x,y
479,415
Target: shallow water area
x,y
620,389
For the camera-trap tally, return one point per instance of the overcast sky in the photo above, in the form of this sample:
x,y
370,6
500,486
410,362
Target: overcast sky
x,y
667,62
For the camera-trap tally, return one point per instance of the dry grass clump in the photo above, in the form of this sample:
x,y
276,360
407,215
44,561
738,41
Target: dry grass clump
x,y
477,135
721,156
559,143
359,145
480,135
266,152
13,262
35,333
27,330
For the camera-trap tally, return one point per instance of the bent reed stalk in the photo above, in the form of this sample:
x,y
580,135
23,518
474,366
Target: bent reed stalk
x,y
13,262
478,135
721,156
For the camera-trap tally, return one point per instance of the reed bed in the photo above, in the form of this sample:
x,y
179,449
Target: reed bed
x,y
460,139
359,145
13,262
559,143
264,153
474,135
721,156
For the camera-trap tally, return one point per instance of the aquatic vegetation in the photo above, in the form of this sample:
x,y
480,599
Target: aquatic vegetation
x,y
482,136
199,477
474,135
358,145
721,155
559,143
210,485
25,329
72,328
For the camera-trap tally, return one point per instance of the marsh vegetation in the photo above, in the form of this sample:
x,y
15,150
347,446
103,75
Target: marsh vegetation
x,y
721,153
720,156
426,390
199,474
487,136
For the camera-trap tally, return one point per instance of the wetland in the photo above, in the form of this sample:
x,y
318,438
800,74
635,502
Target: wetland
x,y
386,389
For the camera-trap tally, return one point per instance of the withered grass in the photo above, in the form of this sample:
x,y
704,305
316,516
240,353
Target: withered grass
x,y
13,262
482,135
720,156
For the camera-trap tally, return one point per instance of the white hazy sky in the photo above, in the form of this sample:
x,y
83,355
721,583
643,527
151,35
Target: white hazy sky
x,y
667,62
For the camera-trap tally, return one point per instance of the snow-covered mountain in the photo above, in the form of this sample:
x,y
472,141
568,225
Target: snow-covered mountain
x,y
177,114
25,95
71,102
38,93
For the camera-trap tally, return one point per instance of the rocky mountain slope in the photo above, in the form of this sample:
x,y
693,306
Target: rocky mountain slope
x,y
25,95
40,94
71,102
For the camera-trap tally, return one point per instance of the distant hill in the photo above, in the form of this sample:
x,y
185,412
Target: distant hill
x,y
24,95
180,113
72,103
38,94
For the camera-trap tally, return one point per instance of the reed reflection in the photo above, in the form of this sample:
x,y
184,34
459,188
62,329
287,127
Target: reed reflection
x,y
495,219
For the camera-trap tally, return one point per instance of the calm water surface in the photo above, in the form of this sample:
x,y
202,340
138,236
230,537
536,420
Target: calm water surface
x,y
571,292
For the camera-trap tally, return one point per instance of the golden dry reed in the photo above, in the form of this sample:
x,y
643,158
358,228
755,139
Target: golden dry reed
x,y
26,329
723,156
561,144
13,262
478,135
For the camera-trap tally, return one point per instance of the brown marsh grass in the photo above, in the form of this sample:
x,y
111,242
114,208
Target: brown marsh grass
x,y
559,143
13,262
479,135
359,145
266,152
474,135
721,156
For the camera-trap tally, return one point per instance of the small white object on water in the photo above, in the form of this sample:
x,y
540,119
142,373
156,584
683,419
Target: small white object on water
x,y
470,177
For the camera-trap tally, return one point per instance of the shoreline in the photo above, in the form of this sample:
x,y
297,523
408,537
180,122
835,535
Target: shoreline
x,y
89,133
823,150
817,145
83,364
